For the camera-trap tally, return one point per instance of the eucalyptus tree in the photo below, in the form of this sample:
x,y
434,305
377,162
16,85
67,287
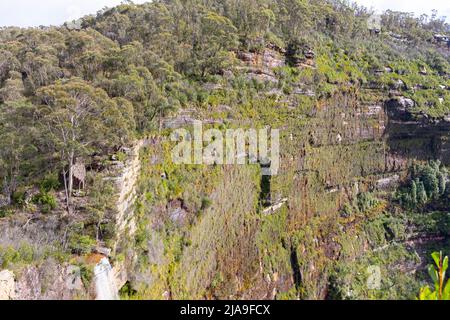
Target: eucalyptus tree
x,y
79,119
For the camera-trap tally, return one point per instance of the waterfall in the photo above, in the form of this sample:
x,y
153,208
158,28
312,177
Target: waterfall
x,y
105,285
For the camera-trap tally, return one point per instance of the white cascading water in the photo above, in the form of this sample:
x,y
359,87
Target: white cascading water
x,y
105,285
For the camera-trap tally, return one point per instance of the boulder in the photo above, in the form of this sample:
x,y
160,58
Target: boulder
x,y
388,182
398,85
400,108
406,103
178,215
423,71
177,212
178,122
73,278
212,86
272,59
441,38
248,57
373,110
309,54
103,251
304,92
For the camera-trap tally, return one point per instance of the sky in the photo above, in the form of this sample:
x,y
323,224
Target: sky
x,y
418,7
33,13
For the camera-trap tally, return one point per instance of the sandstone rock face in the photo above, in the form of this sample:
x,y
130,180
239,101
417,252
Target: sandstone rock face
x,y
111,278
272,59
126,186
259,66
51,281
7,286
266,60
120,274
406,102
28,286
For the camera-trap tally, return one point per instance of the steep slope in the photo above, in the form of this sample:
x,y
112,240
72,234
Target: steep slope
x,y
363,115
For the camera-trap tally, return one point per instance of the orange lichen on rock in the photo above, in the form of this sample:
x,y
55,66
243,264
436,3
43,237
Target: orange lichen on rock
x,y
94,258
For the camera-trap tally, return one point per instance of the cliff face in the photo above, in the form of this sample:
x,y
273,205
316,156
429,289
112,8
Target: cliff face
x,y
53,280
417,137
226,232
242,246
125,183
360,112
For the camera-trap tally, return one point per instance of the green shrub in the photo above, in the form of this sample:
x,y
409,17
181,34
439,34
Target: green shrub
x,y
47,201
206,203
11,255
8,256
87,274
18,198
6,212
437,274
81,244
121,156
427,182
49,183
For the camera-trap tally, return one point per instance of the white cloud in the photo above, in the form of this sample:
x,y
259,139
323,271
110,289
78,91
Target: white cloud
x,y
418,7
30,13
27,13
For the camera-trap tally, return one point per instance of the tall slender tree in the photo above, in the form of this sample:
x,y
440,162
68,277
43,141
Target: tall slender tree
x,y
77,117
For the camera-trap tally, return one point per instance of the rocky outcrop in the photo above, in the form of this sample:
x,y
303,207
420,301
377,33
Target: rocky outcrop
x,y
260,66
51,281
7,286
275,207
345,147
125,182
400,108
415,136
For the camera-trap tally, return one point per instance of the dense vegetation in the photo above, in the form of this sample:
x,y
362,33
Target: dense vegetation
x,y
70,91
